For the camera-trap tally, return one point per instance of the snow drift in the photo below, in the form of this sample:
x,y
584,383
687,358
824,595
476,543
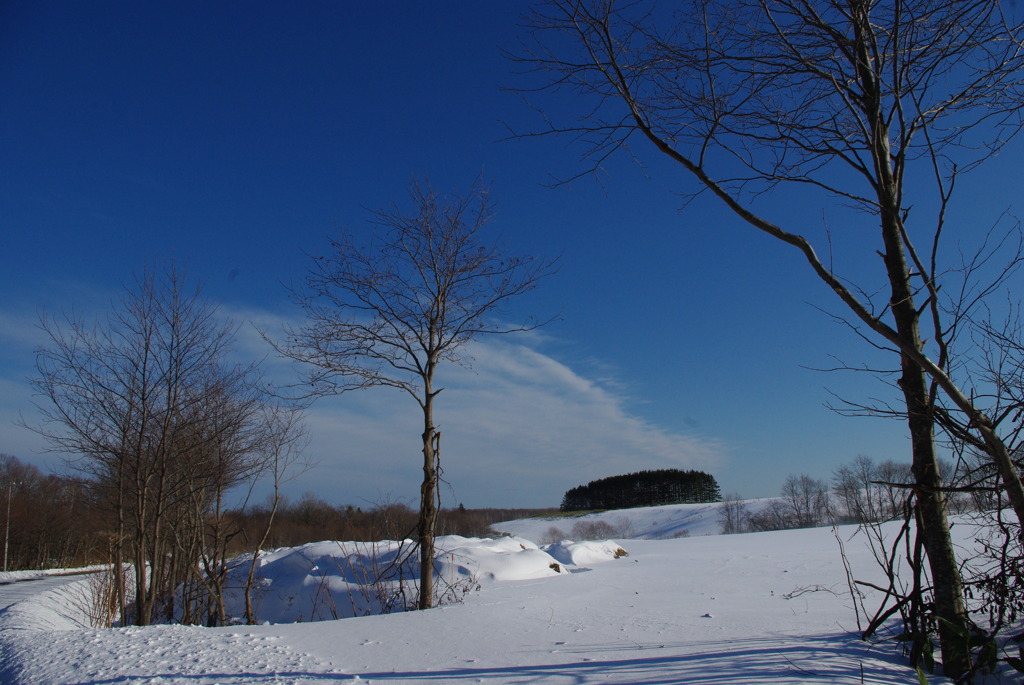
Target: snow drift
x,y
328,580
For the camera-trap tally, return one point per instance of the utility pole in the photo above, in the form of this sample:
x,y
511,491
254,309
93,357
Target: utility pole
x,y
7,521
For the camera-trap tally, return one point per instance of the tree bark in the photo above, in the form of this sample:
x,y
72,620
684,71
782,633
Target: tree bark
x,y
933,523
428,504
931,505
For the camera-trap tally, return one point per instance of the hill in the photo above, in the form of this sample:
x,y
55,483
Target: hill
x,y
643,523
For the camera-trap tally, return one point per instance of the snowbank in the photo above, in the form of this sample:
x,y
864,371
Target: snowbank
x,y
54,602
328,580
585,553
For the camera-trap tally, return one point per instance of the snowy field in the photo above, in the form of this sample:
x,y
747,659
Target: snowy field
x,y
690,607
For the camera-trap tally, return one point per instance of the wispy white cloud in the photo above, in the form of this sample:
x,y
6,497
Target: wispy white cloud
x,y
518,429
20,331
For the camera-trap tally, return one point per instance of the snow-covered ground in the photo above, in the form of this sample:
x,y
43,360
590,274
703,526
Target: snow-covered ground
x,y
646,523
730,610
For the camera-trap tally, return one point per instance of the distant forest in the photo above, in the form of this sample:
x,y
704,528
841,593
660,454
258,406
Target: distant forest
x,y
643,489
59,522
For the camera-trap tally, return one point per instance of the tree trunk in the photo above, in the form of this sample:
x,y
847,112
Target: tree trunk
x,y
250,613
931,505
428,504
118,552
934,525
142,613
141,581
118,578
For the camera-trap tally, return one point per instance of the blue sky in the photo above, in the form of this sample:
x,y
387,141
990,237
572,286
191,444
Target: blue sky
x,y
235,136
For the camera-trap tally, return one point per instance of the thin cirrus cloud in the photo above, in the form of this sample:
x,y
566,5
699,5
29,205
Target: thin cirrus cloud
x,y
518,428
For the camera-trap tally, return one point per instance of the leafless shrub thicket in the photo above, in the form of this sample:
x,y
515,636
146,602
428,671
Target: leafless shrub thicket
x,y
861,491
586,529
163,425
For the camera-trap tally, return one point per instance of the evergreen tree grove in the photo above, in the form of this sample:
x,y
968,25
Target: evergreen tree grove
x,y
643,489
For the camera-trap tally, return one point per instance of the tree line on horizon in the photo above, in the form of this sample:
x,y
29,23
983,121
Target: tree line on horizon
x,y
60,521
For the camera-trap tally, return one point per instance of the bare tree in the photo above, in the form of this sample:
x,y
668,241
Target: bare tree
x,y
223,448
130,396
732,513
807,500
851,487
390,312
282,461
869,103
870,492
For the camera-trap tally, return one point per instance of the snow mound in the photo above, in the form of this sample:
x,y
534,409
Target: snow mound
x,y
65,607
484,559
328,580
585,553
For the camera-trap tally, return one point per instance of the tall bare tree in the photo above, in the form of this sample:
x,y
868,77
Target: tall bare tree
x,y
389,312
876,104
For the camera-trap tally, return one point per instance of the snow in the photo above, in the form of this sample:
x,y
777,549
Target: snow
x,y
347,579
647,523
754,608
583,553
